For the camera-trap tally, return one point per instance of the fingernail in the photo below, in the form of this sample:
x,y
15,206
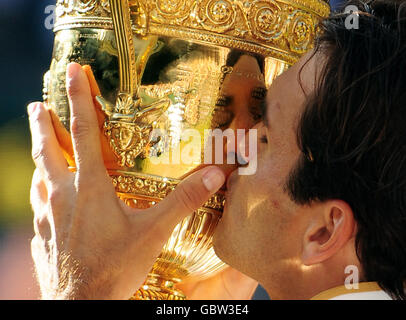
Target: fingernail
x,y
213,179
32,107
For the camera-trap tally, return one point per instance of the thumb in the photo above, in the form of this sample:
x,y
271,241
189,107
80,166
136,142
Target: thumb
x,y
188,196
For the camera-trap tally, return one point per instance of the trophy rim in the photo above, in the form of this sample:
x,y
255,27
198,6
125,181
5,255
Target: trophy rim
x,y
255,35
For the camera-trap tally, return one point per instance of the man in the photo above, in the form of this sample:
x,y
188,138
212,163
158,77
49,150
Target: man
x,y
331,171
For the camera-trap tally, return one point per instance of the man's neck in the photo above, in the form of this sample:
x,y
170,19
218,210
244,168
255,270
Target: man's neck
x,y
303,283
359,291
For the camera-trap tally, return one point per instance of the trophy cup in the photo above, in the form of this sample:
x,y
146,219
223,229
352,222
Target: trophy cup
x,y
171,66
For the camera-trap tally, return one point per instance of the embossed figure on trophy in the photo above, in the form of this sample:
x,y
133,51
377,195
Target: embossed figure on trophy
x,y
175,66
130,133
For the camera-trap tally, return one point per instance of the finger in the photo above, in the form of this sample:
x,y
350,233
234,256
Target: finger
x,y
110,160
38,193
95,91
45,147
84,126
38,198
64,138
188,196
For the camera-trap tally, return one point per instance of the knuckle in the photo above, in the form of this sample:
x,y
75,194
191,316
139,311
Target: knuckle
x,y
73,89
34,193
35,243
40,221
39,250
37,116
38,152
36,178
187,197
42,227
38,188
79,127
55,196
61,196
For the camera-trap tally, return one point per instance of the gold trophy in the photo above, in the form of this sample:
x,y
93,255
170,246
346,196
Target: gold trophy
x,y
169,66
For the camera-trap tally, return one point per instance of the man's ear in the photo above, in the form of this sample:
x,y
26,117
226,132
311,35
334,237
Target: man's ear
x,y
329,230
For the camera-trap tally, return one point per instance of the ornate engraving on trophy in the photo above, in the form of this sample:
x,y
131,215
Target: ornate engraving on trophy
x,y
175,65
90,7
85,46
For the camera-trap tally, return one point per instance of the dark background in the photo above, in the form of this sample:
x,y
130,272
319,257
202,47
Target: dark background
x,y
26,50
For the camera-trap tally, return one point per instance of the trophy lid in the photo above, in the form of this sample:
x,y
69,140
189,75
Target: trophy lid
x,y
283,29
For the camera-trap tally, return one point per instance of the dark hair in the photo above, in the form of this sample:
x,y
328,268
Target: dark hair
x,y
352,134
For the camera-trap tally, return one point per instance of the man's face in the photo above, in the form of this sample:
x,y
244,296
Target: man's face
x,y
260,232
238,105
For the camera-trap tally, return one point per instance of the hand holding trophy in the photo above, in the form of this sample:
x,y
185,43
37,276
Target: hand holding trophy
x,y
163,69
88,244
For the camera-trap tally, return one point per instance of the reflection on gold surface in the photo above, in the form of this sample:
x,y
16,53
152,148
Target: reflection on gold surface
x,y
171,66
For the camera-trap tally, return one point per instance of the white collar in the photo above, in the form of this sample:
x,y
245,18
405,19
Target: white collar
x,y
365,291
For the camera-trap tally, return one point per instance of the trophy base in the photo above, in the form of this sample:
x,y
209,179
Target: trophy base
x,y
158,288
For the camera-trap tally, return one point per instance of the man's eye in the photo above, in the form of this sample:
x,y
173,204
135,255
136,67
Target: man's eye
x,y
256,112
263,139
259,93
223,101
222,118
